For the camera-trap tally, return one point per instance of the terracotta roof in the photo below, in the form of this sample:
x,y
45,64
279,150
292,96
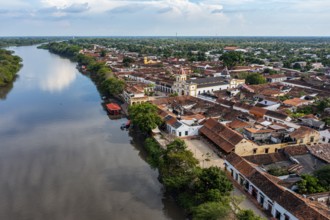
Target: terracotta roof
x,y
275,76
295,102
296,150
265,159
257,111
243,106
301,132
231,48
292,202
224,137
321,151
261,131
276,114
237,124
225,102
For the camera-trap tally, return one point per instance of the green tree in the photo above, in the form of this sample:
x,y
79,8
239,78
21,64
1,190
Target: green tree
x,y
155,152
232,58
247,215
323,104
296,66
309,184
323,175
211,211
127,61
145,116
177,166
113,86
255,79
213,178
103,53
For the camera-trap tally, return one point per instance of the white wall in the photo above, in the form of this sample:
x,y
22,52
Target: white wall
x,y
192,130
325,136
275,206
212,89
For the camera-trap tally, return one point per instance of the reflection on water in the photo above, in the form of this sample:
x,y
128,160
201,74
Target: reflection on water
x,y
62,158
58,76
4,90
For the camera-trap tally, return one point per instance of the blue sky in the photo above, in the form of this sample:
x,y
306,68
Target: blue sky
x,y
164,17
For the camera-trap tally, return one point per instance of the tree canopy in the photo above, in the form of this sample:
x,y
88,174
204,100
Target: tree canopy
x,y
255,78
232,58
9,66
145,116
309,184
211,211
113,86
247,215
323,175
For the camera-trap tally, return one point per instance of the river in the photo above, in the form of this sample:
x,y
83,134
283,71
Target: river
x,y
62,158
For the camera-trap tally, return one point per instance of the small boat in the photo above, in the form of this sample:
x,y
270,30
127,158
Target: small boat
x,y
125,125
113,108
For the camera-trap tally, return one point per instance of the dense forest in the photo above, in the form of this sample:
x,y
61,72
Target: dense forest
x,y
9,66
260,49
25,41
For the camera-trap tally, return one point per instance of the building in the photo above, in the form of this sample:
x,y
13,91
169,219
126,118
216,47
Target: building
x,y
182,128
198,86
276,78
258,134
279,202
305,135
296,102
136,93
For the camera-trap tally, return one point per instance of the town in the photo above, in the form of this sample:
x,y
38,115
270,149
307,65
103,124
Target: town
x,y
260,114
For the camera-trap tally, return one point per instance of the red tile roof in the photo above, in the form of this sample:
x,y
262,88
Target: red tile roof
x,y
224,137
292,202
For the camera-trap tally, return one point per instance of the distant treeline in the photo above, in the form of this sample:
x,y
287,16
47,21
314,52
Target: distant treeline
x,y
63,49
9,66
25,41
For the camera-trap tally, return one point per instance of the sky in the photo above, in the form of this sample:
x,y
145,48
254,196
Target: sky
x,y
164,17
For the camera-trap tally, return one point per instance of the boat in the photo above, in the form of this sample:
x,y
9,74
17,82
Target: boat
x,y
125,125
113,108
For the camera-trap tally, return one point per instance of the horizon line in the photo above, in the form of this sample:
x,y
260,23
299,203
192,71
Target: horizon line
x,y
169,36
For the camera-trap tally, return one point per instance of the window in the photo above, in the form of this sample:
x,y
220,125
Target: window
x,y
312,139
254,150
323,139
186,133
301,141
329,141
180,133
286,217
277,215
276,150
266,150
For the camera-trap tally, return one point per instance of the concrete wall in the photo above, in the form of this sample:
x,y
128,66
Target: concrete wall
x,y
248,148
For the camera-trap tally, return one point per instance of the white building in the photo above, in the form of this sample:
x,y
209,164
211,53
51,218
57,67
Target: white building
x,y
279,202
182,128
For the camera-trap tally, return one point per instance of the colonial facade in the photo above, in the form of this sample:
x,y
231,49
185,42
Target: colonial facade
x,y
279,202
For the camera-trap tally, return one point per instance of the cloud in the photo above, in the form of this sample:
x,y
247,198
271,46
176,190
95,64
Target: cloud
x,y
76,8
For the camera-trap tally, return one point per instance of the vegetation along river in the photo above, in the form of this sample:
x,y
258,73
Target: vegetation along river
x,y
62,158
